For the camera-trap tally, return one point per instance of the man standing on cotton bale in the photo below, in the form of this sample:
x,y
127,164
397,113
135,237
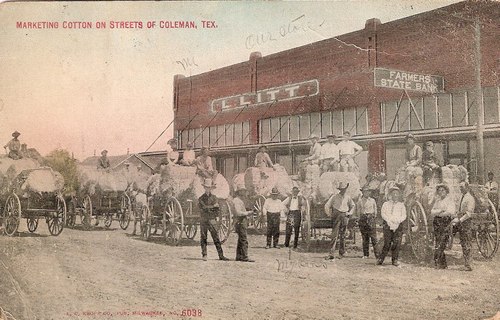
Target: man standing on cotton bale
x,y
330,155
14,146
348,150
103,162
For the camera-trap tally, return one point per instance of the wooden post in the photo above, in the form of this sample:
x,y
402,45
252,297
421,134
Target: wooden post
x,y
479,103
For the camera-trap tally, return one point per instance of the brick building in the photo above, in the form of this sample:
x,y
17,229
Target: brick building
x,y
328,87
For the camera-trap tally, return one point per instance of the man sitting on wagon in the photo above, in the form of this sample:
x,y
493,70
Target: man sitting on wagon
x,y
204,166
262,159
313,158
430,163
188,156
14,146
103,162
413,152
348,150
330,155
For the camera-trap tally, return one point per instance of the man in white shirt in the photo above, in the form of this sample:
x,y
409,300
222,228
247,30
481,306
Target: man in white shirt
x,y
393,214
348,150
262,159
443,211
188,156
204,166
339,207
313,158
294,205
463,223
241,224
330,155
273,208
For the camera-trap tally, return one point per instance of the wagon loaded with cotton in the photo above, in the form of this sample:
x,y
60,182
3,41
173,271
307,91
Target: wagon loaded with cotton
x,y
172,204
419,200
102,197
31,194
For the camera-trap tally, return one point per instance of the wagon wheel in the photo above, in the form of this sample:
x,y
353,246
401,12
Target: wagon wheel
x,y
260,221
173,221
145,222
56,221
125,210
305,229
12,214
108,220
224,225
86,213
190,230
32,224
418,231
488,230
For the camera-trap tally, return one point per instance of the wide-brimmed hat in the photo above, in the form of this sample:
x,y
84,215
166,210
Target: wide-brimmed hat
x,y
15,134
275,191
189,144
263,147
204,148
410,136
343,185
429,143
394,188
313,136
104,151
209,183
366,188
444,186
173,140
331,135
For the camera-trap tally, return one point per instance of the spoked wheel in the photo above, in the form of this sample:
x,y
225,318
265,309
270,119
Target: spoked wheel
x,y
305,229
108,220
145,222
488,230
260,220
173,221
32,224
418,231
56,221
190,230
224,223
86,214
12,214
125,210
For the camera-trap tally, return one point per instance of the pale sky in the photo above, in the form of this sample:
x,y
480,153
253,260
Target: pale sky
x,y
90,89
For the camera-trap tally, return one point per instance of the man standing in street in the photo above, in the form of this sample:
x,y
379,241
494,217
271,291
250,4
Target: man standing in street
x,y
209,207
463,223
348,150
273,208
330,155
340,207
367,210
393,214
241,224
294,205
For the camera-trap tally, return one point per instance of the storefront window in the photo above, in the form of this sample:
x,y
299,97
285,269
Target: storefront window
x,y
221,135
229,169
264,130
389,109
205,134
304,127
284,134
417,114
242,164
294,128
459,106
362,121
490,100
337,127
213,136
316,123
275,129
326,124
430,112
229,135
444,110
404,116
246,132
350,120
197,138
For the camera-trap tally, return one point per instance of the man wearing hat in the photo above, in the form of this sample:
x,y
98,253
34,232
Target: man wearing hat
x,y
348,150
366,209
14,146
442,212
463,224
273,208
330,155
314,155
294,204
203,164
172,153
241,224
393,213
262,159
413,152
339,207
103,162
209,206
188,156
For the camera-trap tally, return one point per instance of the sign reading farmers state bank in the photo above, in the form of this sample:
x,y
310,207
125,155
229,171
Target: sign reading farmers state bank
x,y
396,79
266,96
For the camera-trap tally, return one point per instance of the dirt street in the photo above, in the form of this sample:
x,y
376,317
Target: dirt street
x,y
108,274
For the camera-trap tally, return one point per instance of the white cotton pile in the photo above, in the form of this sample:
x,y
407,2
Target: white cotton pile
x,y
480,194
329,181
92,178
252,180
140,199
138,179
11,168
238,181
262,180
283,181
221,190
43,180
312,173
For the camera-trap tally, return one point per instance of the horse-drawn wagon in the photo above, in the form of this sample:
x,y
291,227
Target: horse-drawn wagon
x,y
419,200
102,196
33,194
172,204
